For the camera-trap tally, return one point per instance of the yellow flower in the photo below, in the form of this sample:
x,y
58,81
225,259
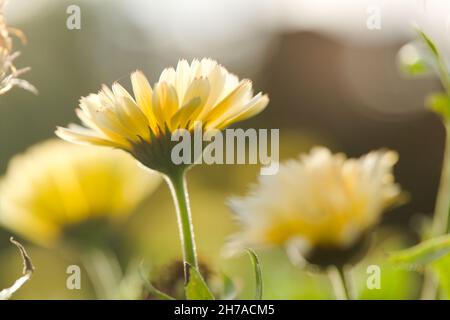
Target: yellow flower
x,y
201,92
55,186
321,201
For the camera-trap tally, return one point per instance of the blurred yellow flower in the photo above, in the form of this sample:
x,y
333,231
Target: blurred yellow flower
x,y
56,185
202,91
319,201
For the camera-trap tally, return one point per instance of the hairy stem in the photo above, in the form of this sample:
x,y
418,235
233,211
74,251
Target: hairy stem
x,y
177,184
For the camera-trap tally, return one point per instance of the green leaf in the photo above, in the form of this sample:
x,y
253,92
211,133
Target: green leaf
x,y
424,253
151,289
440,62
430,44
258,274
196,288
439,103
442,269
229,291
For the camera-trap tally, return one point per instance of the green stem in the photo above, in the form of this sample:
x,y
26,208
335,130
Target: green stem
x,y
440,220
104,273
441,215
338,282
177,184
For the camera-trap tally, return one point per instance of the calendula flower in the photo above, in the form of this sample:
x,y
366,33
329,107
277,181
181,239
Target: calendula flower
x,y
201,96
9,74
201,92
55,187
323,204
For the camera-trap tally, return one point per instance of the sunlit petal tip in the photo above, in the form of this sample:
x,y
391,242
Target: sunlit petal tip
x,y
393,156
138,74
58,130
246,82
119,90
78,111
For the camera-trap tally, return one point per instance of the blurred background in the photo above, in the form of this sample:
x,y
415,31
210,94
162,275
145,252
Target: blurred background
x,y
332,81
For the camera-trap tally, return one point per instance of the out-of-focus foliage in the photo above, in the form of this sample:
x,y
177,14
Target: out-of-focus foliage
x,y
434,253
424,253
28,269
412,61
439,103
395,283
9,74
442,269
258,274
